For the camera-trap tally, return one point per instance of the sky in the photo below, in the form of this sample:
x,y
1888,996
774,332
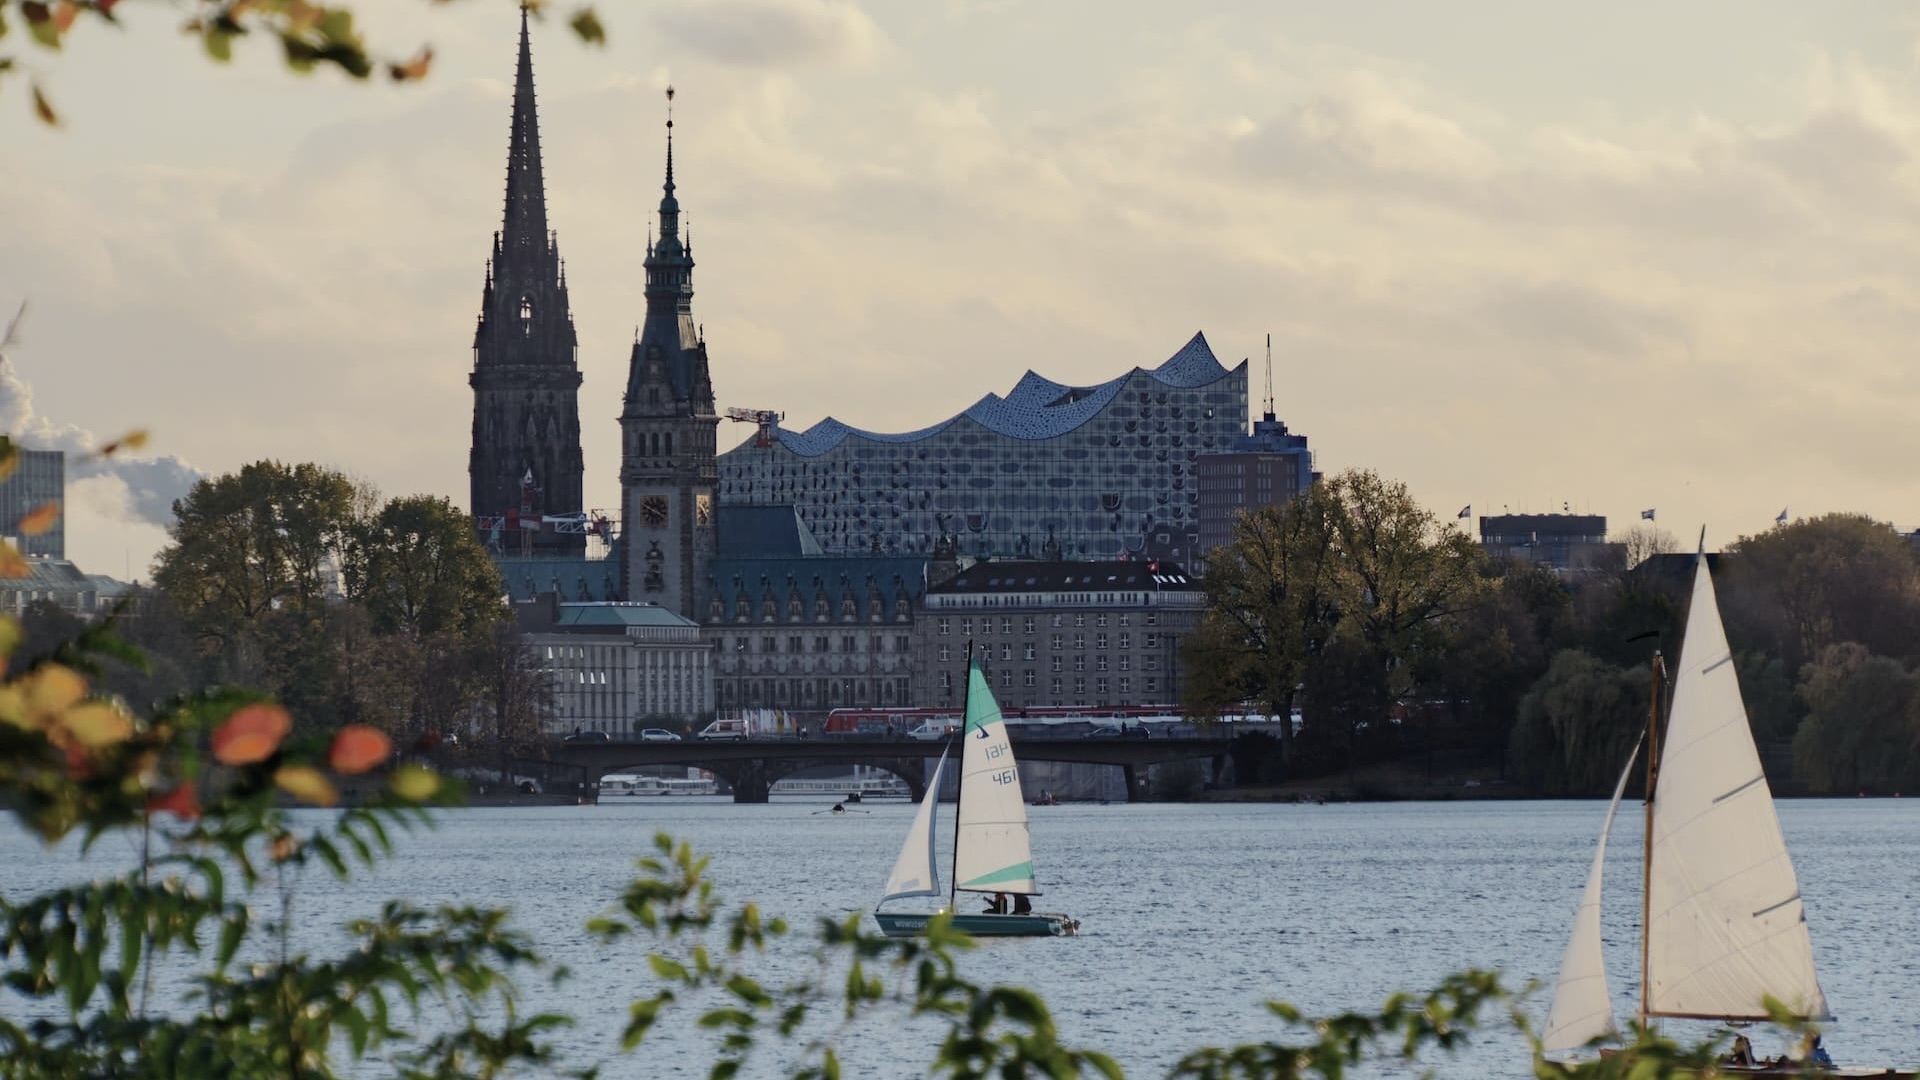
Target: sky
x,y
1520,256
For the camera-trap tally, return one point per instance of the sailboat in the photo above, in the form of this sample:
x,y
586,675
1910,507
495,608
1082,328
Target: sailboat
x,y
991,852
1722,925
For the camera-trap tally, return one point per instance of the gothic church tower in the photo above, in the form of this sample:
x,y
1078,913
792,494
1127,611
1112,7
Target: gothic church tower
x,y
526,376
668,429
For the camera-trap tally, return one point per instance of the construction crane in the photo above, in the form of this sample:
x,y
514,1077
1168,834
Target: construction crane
x,y
766,418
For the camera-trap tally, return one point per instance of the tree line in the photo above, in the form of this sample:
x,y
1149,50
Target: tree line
x,y
1391,631
347,607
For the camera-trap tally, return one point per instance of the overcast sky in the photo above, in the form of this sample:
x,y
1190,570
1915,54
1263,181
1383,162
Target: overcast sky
x,y
1518,255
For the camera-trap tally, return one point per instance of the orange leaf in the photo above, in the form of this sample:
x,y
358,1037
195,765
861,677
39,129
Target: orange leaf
x,y
306,783
40,518
283,847
12,563
63,15
44,108
182,802
358,748
415,68
53,690
251,734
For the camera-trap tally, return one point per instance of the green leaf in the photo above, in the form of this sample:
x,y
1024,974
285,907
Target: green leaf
x,y
219,44
586,23
667,968
40,23
231,935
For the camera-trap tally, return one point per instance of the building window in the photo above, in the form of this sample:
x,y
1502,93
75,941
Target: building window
x,y
946,654
1153,685
1153,618
1058,642
1079,620
1006,624
1026,625
1030,651
1151,663
1125,641
1055,664
1100,689
1125,618
1054,685
1006,679
1079,663
1030,678
1100,619
1100,641
1079,641
1100,662
966,627
1126,662
1150,641
946,627
1006,651
1080,687
1126,686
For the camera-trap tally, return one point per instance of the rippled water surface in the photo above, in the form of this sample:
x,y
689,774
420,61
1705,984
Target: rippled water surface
x,y
1193,915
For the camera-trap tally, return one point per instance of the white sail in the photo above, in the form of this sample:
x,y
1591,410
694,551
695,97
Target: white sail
x,y
991,851
1582,1008
914,873
1725,925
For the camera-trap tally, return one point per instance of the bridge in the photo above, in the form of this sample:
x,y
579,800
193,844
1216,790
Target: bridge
x,y
751,766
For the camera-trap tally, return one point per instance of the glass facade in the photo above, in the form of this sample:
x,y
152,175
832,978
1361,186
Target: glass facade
x,y
39,478
1102,471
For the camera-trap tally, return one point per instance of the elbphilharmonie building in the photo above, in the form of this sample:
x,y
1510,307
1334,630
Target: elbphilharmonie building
x,y
1047,471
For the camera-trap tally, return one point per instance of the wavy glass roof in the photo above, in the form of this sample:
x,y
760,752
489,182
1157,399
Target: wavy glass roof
x,y
1036,407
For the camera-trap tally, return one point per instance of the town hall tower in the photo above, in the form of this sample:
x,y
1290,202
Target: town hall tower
x,y
668,429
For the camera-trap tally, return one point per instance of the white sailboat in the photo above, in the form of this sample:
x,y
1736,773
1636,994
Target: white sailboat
x,y
1722,926
991,851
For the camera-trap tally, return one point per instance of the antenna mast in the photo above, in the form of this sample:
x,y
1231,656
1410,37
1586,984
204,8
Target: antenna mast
x,y
1269,417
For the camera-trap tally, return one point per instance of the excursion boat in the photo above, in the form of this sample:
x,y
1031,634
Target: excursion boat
x,y
991,849
1722,926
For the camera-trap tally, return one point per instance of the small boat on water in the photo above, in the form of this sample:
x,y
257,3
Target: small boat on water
x,y
991,850
1721,922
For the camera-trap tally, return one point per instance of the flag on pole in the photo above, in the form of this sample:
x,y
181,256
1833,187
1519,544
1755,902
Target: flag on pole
x,y
1646,515
1465,511
1782,519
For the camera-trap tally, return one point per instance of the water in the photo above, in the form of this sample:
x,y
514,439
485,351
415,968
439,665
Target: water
x,y
1193,915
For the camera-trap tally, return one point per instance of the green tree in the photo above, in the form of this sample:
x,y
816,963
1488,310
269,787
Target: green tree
x,y
1577,724
1860,733
419,570
249,544
1272,604
516,698
1796,589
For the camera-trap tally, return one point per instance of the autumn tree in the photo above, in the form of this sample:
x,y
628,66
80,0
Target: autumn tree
x,y
419,570
1861,731
1797,589
1577,725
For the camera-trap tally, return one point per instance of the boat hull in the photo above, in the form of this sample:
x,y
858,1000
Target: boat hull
x,y
1796,1071
1032,924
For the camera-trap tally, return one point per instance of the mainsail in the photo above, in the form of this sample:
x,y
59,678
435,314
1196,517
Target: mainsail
x,y
1725,925
991,852
1582,1008
914,872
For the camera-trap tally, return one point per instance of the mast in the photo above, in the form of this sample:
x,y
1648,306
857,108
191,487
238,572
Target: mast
x,y
953,874
1646,850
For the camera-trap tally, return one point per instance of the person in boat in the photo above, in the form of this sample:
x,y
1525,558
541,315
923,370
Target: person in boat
x,y
997,905
1817,1055
1742,1053
1022,905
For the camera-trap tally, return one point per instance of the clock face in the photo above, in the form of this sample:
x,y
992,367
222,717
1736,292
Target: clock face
x,y
653,511
703,509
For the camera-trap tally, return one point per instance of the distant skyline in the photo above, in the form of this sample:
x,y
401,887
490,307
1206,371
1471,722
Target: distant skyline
x,y
1619,258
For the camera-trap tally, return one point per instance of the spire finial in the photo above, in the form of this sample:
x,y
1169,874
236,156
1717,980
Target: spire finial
x,y
669,138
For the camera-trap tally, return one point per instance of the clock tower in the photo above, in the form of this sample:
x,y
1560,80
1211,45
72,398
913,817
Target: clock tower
x,y
668,429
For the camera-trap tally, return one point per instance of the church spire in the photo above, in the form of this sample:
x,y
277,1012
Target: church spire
x,y
524,225
669,204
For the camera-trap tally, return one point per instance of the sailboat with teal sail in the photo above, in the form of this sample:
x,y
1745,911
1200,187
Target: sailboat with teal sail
x,y
991,848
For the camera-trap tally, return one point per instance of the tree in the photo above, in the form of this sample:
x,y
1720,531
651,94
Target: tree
x,y
251,543
419,569
1577,724
311,34
1272,604
517,692
1799,588
1643,542
1861,732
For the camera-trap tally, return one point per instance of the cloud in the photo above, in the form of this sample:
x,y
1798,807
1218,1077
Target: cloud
x,y
150,485
776,33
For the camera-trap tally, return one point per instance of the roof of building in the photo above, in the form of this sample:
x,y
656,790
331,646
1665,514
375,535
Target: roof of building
x,y
1544,524
1020,576
831,577
44,572
747,532
575,577
1036,408
546,614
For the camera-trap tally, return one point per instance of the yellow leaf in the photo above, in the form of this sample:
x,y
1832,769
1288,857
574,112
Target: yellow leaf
x,y
13,707
63,15
415,68
10,635
135,439
414,783
9,454
40,518
306,783
53,690
96,724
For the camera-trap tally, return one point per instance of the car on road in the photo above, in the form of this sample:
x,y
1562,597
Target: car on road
x,y
654,734
588,736
724,731
1115,731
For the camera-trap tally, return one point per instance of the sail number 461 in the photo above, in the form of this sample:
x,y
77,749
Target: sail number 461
x,y
1007,776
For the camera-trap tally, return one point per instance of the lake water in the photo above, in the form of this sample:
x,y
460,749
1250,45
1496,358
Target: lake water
x,y
1192,916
